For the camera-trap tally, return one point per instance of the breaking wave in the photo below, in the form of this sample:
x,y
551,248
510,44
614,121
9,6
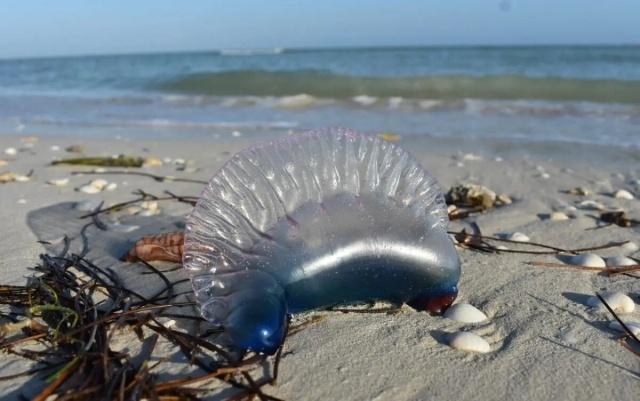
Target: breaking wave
x,y
328,85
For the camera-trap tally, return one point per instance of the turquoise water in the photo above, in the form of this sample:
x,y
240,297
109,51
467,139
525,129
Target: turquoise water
x,y
582,93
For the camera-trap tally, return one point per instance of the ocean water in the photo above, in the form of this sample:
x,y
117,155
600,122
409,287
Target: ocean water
x,y
582,94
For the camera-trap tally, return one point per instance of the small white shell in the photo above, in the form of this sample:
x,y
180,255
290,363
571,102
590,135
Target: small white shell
x,y
99,183
630,247
623,194
465,313
620,261
619,302
590,205
111,186
633,326
58,182
558,216
504,199
518,236
169,323
11,151
89,189
587,259
149,205
469,342
21,178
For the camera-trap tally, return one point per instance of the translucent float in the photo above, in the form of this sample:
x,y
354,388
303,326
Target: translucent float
x,y
314,220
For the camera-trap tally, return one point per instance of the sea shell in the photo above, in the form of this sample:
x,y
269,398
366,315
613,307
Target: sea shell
x,y
590,205
630,247
99,183
13,177
89,189
588,260
95,186
318,219
58,182
619,302
469,342
620,261
504,199
465,313
558,216
623,194
166,247
11,151
517,236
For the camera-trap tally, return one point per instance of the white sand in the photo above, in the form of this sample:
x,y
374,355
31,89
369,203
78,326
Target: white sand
x,y
546,343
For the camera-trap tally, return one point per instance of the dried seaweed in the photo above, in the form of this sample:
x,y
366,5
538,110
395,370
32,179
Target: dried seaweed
x,y
119,161
158,178
75,337
143,197
479,242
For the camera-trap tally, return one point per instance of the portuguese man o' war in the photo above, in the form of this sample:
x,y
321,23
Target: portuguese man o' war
x,y
312,221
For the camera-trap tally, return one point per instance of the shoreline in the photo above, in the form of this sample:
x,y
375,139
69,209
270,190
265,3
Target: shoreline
x,y
561,152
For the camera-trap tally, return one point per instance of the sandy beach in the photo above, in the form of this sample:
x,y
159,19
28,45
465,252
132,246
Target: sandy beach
x,y
546,343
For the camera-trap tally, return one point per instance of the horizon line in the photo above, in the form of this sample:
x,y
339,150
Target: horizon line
x,y
259,51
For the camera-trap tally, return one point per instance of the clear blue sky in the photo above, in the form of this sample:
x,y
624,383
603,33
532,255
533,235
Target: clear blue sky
x,y
63,27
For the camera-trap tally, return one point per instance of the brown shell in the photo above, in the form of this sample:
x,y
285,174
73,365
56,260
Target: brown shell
x,y
162,247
